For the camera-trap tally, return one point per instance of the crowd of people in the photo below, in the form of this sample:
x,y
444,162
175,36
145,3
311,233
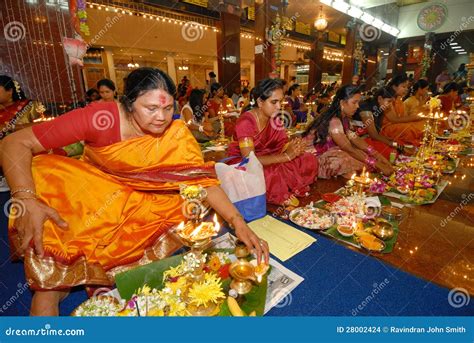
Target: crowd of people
x,y
137,164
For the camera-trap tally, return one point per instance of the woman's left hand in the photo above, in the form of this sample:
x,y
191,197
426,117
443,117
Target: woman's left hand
x,y
253,242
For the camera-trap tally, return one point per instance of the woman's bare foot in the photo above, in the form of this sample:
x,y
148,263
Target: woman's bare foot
x,y
46,303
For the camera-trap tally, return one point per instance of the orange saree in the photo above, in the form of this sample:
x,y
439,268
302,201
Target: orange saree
x,y
402,133
120,202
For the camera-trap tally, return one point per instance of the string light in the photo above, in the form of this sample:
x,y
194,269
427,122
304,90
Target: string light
x,y
148,15
333,55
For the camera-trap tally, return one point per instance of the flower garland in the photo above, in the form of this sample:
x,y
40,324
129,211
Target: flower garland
x,y
82,15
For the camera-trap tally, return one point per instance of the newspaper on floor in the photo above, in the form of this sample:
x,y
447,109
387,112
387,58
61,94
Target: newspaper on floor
x,y
281,281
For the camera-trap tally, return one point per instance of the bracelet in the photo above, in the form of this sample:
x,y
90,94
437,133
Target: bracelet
x,y
394,144
23,190
232,219
23,198
371,161
201,128
370,150
287,156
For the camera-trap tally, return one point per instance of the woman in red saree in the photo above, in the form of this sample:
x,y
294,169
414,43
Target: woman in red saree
x,y
81,222
288,169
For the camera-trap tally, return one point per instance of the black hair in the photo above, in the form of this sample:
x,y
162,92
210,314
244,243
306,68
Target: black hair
x,y
107,83
212,74
263,90
195,101
384,93
215,87
91,91
142,80
245,91
398,80
451,86
321,125
9,84
420,84
292,88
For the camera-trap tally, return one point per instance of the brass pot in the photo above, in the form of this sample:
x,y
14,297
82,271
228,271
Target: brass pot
x,y
383,230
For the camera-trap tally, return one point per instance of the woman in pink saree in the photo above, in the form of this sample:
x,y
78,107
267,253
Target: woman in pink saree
x,y
288,169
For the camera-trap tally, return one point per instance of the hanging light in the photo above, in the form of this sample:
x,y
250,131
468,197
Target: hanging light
x,y
132,65
321,23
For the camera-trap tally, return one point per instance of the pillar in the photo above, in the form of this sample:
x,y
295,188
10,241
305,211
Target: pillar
x,y
171,68
228,51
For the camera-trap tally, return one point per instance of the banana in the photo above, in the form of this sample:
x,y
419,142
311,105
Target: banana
x,y
235,308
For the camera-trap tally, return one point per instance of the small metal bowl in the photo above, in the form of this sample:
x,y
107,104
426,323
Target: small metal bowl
x,y
392,213
383,230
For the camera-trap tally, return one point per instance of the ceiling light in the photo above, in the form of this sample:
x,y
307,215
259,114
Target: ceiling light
x,y
453,43
386,28
394,31
377,23
355,12
341,6
367,18
462,53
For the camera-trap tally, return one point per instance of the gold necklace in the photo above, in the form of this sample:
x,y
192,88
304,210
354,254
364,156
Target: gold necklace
x,y
258,121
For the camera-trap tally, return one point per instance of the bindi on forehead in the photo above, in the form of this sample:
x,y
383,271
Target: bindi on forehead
x,y
163,100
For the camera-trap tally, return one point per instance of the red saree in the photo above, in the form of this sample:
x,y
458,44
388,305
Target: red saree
x,y
282,180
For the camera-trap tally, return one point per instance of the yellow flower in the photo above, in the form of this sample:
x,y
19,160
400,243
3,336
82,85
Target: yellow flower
x,y
434,103
207,291
214,263
174,271
179,284
145,290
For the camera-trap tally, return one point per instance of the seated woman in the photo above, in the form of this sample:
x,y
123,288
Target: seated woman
x,y
450,99
294,106
119,202
371,113
195,115
218,101
288,169
339,149
416,103
106,89
398,125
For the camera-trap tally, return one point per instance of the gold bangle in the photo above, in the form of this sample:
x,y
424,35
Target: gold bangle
x,y
23,198
23,190
287,157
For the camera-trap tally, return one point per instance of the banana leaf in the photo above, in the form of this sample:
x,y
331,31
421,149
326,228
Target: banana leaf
x,y
152,275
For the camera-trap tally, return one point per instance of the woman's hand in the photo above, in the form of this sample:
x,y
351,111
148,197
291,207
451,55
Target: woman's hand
x,y
386,169
296,148
208,129
30,223
251,240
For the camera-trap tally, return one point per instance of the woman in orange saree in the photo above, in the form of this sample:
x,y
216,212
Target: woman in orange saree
x,y
396,124
81,222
